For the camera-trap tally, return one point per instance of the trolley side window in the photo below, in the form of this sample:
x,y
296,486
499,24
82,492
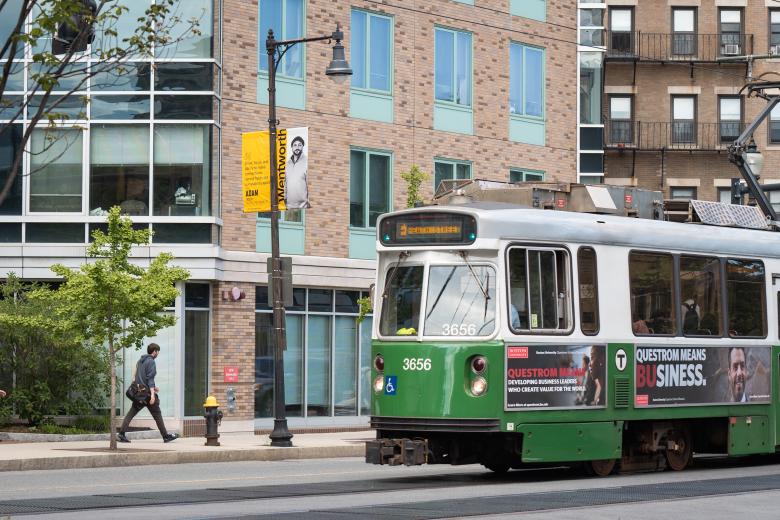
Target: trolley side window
x,y
589,290
746,288
700,294
652,298
539,292
401,301
461,301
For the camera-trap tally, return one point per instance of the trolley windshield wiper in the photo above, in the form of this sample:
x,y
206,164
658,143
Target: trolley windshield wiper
x,y
402,256
464,255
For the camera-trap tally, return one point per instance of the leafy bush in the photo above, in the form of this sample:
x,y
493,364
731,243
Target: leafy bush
x,y
92,423
55,373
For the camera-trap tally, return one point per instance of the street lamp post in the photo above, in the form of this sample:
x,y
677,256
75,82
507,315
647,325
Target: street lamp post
x,y
338,70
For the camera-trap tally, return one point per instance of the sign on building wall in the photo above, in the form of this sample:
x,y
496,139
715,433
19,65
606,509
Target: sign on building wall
x,y
292,162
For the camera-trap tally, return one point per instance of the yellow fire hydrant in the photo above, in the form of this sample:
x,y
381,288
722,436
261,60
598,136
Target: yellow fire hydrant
x,y
213,419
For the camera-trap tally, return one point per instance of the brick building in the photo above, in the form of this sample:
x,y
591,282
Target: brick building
x,y
672,102
463,89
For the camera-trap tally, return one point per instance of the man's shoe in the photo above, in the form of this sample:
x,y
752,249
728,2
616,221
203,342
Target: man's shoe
x,y
121,437
171,437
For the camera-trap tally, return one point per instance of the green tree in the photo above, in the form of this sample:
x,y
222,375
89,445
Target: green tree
x,y
113,302
414,179
59,76
51,370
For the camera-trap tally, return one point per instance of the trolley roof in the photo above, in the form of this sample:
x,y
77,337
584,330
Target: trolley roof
x,y
499,221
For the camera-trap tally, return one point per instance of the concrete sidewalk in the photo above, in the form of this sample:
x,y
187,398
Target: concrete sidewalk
x,y
16,456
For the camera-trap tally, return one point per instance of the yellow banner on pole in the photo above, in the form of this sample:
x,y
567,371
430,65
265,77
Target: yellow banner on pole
x,y
255,172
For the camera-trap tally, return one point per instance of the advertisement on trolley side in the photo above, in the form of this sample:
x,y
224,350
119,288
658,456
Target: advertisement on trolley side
x,y
556,376
669,376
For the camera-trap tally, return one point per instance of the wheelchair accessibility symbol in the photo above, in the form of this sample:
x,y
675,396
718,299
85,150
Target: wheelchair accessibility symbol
x,y
391,385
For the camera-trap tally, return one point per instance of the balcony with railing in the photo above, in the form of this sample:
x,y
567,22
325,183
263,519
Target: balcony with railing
x,y
679,47
676,135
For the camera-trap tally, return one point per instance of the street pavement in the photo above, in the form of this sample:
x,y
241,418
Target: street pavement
x,y
25,456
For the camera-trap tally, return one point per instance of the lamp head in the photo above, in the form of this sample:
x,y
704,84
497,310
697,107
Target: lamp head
x,y
338,69
754,158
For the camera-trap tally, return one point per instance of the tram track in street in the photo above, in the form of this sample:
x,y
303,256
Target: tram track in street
x,y
607,492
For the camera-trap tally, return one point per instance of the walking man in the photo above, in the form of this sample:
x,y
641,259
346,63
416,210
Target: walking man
x,y
145,371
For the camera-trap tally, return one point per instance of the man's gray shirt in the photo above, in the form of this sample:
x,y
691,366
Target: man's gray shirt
x,y
147,369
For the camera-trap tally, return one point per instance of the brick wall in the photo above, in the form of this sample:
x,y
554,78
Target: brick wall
x,y
233,344
410,137
652,100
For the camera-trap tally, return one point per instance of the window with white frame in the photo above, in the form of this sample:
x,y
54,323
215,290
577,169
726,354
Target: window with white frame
x,y
370,190
730,118
526,80
452,68
56,170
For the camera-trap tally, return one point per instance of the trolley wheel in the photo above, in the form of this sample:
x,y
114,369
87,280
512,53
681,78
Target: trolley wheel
x,y
678,456
497,467
600,468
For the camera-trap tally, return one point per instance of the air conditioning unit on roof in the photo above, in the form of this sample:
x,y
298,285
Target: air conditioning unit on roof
x,y
731,49
774,50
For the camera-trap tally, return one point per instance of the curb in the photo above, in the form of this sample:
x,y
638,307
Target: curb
x,y
109,460
54,437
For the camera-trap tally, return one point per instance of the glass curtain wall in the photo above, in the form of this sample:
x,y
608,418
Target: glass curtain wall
x,y
145,140
328,357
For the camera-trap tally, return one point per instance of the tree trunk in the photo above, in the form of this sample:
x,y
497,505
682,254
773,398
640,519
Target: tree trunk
x,y
112,414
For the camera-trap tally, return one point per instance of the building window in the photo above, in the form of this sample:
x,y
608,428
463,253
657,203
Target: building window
x,y
591,78
774,32
684,37
10,144
371,51
730,118
197,298
620,120
190,24
286,18
182,176
592,27
526,80
56,170
730,28
774,125
724,195
774,199
621,25
683,119
448,170
526,176
322,333
682,193
453,66
369,187
119,169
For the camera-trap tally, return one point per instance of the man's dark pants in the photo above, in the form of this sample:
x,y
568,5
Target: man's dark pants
x,y
154,409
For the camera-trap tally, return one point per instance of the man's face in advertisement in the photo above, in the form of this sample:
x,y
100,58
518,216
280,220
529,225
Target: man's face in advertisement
x,y
737,373
297,149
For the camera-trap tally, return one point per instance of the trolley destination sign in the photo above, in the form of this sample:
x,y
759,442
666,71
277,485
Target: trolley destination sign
x,y
428,229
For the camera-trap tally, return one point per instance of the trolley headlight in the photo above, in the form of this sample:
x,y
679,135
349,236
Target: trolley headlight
x,y
379,363
379,383
478,364
478,386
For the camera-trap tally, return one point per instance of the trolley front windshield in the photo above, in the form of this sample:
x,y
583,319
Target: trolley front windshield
x,y
460,301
